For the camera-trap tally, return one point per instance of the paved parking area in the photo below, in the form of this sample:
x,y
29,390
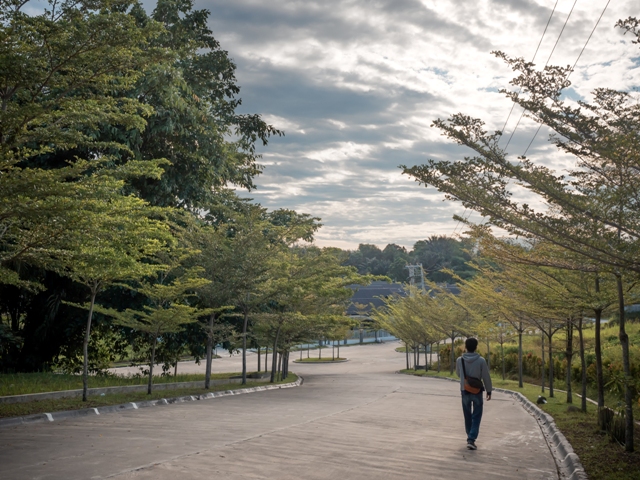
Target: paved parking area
x,y
354,420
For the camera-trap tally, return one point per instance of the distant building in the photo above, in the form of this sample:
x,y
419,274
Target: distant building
x,y
373,295
366,297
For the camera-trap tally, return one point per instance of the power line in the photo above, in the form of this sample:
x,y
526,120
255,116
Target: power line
x,y
535,54
561,31
464,218
572,68
532,60
458,224
546,63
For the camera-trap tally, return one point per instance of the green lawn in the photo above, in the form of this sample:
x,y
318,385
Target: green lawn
x,y
319,360
23,383
57,405
404,350
602,459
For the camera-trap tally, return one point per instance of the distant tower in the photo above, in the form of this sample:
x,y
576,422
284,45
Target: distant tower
x,y
416,272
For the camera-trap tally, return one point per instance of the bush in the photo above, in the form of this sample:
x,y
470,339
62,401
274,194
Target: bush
x,y
445,353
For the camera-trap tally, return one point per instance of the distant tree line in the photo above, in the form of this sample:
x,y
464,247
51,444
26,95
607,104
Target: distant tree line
x,y
440,256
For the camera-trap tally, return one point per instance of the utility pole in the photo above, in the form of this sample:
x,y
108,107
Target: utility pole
x,y
416,272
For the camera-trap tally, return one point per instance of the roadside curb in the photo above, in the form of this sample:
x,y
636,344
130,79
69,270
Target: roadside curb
x,y
567,461
56,416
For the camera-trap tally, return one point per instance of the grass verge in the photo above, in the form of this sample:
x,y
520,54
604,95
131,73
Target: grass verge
x,y
24,383
356,344
320,360
404,350
61,404
602,458
131,362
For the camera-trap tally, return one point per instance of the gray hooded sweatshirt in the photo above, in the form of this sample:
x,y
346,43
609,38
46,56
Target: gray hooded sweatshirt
x,y
476,366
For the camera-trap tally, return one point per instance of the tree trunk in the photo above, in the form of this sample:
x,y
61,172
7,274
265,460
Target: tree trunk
x,y
415,361
245,325
426,359
626,366
153,361
175,369
85,345
453,354
543,369
207,373
488,354
14,313
361,336
520,384
280,366
274,355
569,358
502,355
406,349
338,349
598,348
438,355
333,351
266,357
550,338
320,350
286,365
583,367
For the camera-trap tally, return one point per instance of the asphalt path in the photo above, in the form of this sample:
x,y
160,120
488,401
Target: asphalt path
x,y
353,420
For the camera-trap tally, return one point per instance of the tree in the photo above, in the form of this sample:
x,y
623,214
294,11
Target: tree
x,y
440,252
168,309
195,124
257,239
308,296
400,319
63,75
120,235
214,256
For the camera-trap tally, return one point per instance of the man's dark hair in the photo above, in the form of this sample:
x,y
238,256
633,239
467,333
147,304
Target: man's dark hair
x,y
471,344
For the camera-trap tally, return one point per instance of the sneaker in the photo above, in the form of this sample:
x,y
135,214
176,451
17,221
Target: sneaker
x,y
471,445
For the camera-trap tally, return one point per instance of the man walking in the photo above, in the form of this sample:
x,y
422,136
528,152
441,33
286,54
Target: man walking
x,y
474,379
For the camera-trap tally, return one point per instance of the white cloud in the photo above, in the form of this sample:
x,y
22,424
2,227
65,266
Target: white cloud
x,y
356,86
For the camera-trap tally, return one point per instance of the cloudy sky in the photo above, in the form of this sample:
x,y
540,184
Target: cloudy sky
x,y
356,84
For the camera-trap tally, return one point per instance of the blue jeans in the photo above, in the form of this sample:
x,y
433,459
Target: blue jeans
x,y
472,409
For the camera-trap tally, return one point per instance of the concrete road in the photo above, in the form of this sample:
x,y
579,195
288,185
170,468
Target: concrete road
x,y
355,420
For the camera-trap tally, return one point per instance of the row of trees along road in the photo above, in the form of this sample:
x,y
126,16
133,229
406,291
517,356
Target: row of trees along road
x,y
591,225
118,236
512,295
